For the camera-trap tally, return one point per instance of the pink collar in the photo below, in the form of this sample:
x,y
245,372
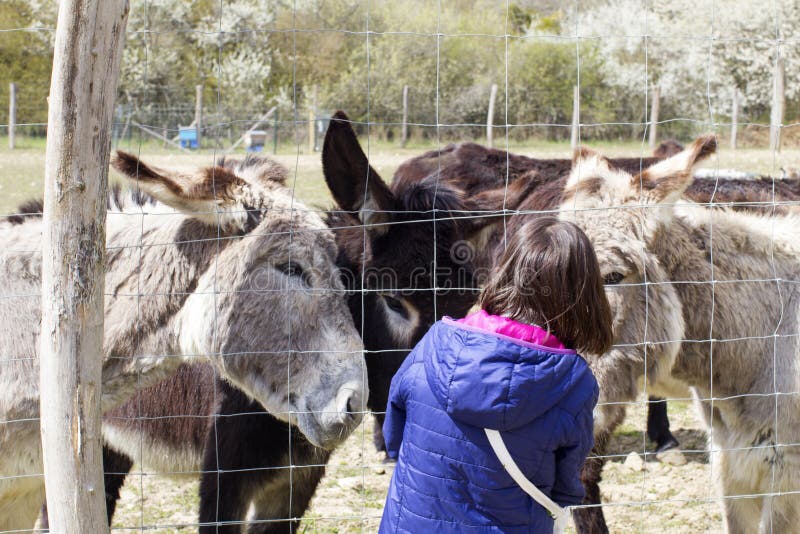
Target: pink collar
x,y
511,328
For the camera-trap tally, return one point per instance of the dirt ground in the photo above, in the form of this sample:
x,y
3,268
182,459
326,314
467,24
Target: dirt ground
x,y
640,493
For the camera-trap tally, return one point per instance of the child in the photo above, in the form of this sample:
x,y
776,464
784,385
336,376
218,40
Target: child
x,y
511,367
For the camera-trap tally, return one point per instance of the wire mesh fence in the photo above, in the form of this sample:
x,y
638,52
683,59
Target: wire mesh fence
x,y
269,267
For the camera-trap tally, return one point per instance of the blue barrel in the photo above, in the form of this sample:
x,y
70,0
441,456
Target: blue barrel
x,y
187,135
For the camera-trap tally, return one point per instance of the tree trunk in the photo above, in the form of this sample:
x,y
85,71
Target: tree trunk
x,y
88,47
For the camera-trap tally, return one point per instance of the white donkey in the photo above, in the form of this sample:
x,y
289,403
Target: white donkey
x,y
705,298
241,274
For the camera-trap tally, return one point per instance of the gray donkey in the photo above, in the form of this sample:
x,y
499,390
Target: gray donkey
x,y
704,298
241,275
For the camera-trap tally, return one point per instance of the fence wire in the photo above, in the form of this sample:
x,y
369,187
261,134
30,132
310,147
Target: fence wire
x,y
241,282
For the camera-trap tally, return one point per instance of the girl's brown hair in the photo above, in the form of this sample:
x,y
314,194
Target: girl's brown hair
x,y
549,276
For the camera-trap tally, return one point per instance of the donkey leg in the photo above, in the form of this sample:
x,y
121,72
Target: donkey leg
x,y
742,515
116,467
658,425
780,514
377,432
381,367
276,503
739,515
591,520
20,512
45,521
247,453
290,491
279,494
224,500
236,448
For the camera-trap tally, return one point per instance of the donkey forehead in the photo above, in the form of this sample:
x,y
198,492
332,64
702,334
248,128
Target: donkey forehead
x,y
607,222
616,233
598,186
293,230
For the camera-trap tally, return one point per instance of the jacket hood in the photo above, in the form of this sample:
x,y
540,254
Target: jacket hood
x,y
489,380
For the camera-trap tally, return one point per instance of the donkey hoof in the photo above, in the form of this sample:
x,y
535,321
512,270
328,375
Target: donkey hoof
x,y
667,444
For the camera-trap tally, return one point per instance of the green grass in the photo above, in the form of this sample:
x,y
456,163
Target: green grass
x,y
22,169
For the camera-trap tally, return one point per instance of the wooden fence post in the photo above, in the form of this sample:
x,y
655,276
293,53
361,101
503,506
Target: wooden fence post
x,y
490,115
312,115
12,114
404,134
576,117
83,88
198,113
778,103
275,125
735,118
655,107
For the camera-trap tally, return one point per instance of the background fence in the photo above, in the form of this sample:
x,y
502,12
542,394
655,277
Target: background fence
x,y
243,62
531,76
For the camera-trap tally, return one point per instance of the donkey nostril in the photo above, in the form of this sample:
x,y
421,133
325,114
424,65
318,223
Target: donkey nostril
x,y
350,403
352,408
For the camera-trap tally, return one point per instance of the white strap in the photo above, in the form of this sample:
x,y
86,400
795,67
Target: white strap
x,y
559,514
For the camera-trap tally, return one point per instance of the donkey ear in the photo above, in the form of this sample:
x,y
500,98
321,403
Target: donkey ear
x,y
586,163
354,184
209,196
667,180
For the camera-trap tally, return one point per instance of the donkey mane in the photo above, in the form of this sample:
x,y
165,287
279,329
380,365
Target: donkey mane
x,y
752,232
32,208
254,167
119,200
431,195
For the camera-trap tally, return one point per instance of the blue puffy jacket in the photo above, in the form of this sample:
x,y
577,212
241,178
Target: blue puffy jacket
x,y
458,381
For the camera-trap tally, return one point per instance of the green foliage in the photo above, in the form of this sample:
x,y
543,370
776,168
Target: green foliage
x,y
25,59
519,19
448,76
549,24
544,73
448,57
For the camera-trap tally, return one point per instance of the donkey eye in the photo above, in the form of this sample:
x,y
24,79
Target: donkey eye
x,y
294,270
395,305
612,279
